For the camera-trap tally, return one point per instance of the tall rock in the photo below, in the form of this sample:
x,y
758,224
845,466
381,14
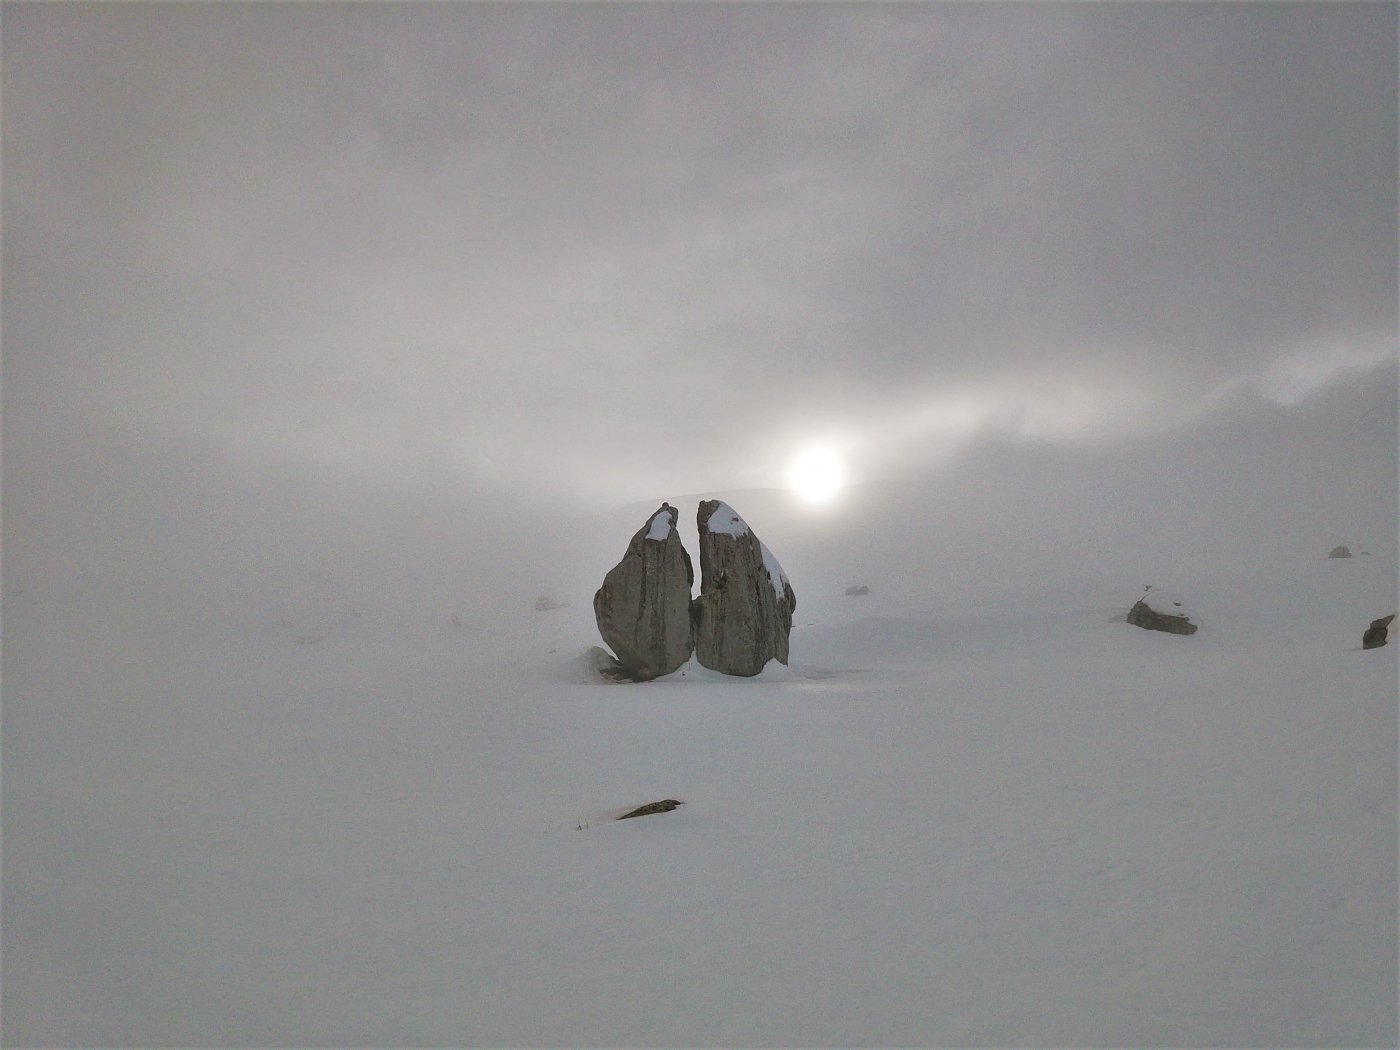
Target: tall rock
x,y
744,613
643,607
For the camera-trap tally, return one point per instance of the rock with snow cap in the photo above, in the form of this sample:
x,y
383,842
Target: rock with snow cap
x,y
643,607
744,613
1156,611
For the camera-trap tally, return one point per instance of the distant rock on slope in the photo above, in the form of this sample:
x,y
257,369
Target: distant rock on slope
x,y
744,613
1339,552
664,806
1159,612
1378,633
643,607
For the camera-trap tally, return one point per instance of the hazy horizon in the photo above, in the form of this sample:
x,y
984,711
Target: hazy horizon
x,y
602,253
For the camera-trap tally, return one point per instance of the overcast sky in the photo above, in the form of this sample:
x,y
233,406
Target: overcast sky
x,y
620,251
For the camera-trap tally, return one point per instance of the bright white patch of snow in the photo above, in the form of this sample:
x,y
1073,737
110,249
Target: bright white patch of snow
x,y
726,521
776,576
660,526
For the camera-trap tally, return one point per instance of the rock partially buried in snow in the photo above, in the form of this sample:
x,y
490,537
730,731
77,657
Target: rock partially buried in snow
x,y
643,607
664,806
1378,633
603,664
744,613
1339,552
1159,612
857,591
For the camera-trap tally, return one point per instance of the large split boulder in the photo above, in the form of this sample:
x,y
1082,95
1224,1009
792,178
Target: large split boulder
x,y
1156,611
643,607
743,615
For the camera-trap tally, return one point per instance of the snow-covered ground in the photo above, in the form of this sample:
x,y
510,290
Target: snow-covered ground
x,y
275,777
1025,823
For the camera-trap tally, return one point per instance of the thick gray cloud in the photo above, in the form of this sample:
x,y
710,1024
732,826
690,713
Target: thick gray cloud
x,y
644,248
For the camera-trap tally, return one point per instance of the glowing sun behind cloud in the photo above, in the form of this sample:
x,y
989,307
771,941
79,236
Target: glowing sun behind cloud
x,y
816,476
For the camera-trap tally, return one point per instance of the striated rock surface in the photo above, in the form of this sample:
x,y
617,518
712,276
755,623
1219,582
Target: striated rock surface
x,y
744,613
643,607
1378,633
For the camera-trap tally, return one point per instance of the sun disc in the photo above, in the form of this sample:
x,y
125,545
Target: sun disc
x,y
816,475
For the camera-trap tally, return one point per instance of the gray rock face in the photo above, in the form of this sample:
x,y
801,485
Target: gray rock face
x,y
664,806
744,613
1149,619
1339,552
643,607
1378,633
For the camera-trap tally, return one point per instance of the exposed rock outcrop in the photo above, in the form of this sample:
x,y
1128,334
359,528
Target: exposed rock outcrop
x,y
1158,612
643,607
1339,552
743,615
664,806
1378,633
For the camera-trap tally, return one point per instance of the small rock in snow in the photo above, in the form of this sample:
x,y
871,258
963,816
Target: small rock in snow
x,y
664,806
1378,633
1156,611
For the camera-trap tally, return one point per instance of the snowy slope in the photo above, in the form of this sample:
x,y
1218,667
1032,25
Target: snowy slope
x,y
1020,823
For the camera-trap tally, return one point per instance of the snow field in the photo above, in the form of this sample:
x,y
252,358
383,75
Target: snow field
x,y
1019,825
